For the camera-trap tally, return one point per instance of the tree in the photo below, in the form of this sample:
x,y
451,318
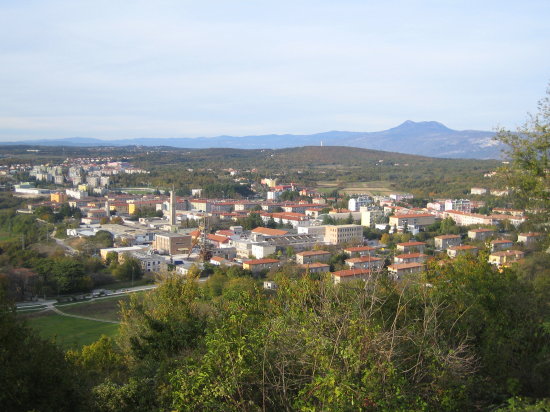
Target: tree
x,y
528,173
34,373
130,269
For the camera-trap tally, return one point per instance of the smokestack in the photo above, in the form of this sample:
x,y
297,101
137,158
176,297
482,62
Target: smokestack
x,y
172,208
107,207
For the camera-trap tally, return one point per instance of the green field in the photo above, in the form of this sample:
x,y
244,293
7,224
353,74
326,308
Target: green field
x,y
70,333
103,308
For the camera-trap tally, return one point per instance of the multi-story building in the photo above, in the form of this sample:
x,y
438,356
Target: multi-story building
x,y
505,257
59,197
310,256
350,274
411,247
172,243
365,262
258,265
400,270
412,220
444,241
454,251
341,234
481,234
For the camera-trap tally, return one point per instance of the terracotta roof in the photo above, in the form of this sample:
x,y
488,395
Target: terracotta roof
x,y
413,215
260,261
313,253
412,244
481,230
462,247
352,272
364,259
269,232
447,237
315,265
501,241
410,255
359,249
217,238
397,266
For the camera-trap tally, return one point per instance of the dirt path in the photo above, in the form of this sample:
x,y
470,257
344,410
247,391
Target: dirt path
x,y
52,307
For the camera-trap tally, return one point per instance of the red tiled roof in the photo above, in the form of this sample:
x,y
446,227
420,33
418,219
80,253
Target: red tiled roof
x,y
412,244
364,259
269,232
359,249
260,261
352,272
313,253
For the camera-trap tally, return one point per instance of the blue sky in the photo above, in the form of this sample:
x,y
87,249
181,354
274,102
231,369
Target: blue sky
x,y
123,69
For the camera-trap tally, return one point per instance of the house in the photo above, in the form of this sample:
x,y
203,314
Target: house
x,y
410,258
365,262
258,265
505,257
411,247
350,274
262,233
316,267
310,256
340,234
481,234
444,241
501,244
358,251
148,262
399,270
270,285
529,239
454,251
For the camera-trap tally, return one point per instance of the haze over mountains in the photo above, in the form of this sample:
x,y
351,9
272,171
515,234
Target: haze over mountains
x,y
421,138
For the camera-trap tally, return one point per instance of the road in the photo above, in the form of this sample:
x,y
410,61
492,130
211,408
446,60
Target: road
x,y
69,249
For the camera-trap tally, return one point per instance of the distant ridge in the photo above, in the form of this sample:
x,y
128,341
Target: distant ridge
x,y
428,138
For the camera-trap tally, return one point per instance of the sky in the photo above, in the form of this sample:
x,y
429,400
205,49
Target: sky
x,y
127,69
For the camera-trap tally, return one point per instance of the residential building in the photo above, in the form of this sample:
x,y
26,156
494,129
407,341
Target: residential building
x,y
501,244
411,247
454,251
258,265
505,257
481,234
359,251
365,262
444,241
59,197
310,256
410,258
370,217
350,274
478,191
316,267
529,239
400,270
341,234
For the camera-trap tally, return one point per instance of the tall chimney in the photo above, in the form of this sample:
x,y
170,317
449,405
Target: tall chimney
x,y
172,208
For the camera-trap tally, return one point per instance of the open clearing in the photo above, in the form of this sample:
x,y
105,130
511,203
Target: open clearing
x,y
104,308
69,333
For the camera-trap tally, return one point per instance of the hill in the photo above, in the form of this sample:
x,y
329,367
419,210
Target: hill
x,y
420,138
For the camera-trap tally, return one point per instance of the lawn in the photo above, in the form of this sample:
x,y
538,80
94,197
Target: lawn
x,y
70,333
103,308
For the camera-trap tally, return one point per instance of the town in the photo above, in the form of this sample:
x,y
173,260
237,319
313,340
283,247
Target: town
x,y
349,237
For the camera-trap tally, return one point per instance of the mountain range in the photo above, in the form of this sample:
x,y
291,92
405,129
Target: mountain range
x,y
420,138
